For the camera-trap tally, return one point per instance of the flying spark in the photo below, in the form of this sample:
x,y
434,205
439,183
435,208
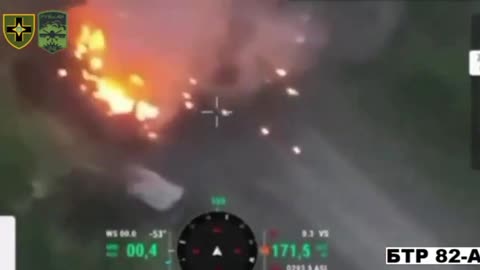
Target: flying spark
x,y
297,150
189,105
292,91
186,95
193,81
264,131
281,72
62,73
226,112
152,135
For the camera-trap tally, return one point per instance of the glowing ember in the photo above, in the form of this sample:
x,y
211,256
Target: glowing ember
x,y
80,51
83,87
296,150
92,42
186,95
292,91
193,81
225,112
152,135
189,105
62,73
264,131
281,72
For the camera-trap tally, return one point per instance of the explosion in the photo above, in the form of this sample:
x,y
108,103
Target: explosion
x,y
116,94
247,49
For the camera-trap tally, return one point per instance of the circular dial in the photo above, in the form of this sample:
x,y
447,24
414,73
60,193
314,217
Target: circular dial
x,y
217,241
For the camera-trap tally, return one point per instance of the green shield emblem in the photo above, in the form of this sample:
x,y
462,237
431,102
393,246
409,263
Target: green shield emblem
x,y
52,30
19,29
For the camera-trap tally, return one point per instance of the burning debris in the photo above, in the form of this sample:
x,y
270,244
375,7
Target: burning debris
x,y
113,102
77,86
247,46
89,48
107,93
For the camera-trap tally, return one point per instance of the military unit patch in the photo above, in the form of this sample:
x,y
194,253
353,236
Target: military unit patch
x,y
52,32
19,29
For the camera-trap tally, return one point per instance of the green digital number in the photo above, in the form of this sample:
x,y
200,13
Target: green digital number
x,y
137,250
153,250
275,250
291,250
219,201
306,251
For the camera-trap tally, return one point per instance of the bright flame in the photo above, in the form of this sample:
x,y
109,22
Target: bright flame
x,y
117,100
93,40
90,47
136,80
146,111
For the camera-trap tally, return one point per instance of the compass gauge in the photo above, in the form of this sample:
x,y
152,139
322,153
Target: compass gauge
x,y
217,241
